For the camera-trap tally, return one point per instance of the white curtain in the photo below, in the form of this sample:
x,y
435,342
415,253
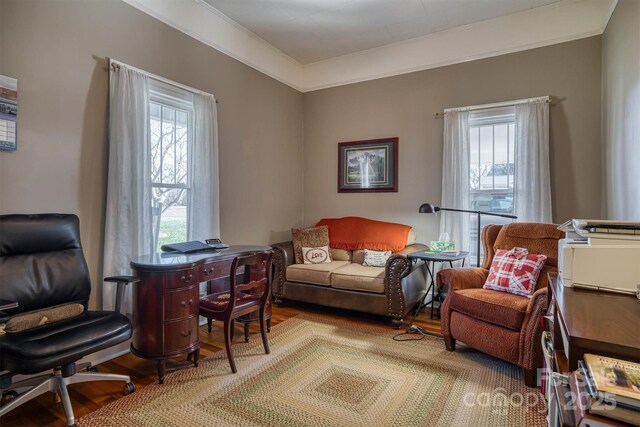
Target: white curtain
x,y
455,178
204,212
532,195
128,213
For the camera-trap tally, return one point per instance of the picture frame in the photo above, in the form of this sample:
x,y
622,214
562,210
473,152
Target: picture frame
x,y
369,166
8,113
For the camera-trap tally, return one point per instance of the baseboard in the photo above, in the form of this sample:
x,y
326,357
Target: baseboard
x,y
108,353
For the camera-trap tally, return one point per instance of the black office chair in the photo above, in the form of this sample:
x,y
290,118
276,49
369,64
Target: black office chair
x,y
42,266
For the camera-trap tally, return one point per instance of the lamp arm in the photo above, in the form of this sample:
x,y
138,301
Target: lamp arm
x,y
480,213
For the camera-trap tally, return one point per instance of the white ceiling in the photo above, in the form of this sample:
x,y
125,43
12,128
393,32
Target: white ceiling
x,y
314,30
556,22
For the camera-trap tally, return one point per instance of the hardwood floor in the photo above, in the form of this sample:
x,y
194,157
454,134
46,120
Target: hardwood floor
x,y
87,397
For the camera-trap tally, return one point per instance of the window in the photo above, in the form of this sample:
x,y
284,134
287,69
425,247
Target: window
x,y
170,134
491,166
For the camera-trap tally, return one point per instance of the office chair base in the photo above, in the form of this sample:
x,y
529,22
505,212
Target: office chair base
x,y
56,383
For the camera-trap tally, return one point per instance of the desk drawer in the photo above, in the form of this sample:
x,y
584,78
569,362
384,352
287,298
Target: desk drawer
x,y
181,279
215,270
180,334
182,303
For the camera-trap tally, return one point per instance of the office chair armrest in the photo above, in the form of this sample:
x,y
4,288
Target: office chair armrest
x,y
121,281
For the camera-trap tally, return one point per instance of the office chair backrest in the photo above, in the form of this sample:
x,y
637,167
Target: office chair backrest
x,y
41,262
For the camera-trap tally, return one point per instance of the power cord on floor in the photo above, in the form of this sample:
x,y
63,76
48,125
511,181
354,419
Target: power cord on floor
x,y
415,333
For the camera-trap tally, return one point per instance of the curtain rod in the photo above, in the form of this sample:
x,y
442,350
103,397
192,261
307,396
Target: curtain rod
x,y
546,99
115,65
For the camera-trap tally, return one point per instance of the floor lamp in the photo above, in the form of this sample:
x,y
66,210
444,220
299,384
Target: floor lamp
x,y
429,208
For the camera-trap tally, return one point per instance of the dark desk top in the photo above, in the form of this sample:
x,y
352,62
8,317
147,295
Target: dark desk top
x,y
598,319
437,256
173,260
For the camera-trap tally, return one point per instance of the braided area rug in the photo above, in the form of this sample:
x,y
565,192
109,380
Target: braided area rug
x,y
324,372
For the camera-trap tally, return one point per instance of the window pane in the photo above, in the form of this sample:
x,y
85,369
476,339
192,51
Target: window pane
x,y
170,215
501,157
512,153
169,137
170,129
491,173
486,157
474,173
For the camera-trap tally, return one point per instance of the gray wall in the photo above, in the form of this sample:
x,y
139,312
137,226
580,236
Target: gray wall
x,y
621,112
404,105
56,50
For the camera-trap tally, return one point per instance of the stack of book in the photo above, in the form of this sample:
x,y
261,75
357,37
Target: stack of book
x,y
608,388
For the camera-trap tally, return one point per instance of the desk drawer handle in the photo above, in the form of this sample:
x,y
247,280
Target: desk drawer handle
x,y
186,334
208,272
187,278
184,304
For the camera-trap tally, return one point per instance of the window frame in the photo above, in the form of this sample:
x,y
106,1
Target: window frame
x,y
178,100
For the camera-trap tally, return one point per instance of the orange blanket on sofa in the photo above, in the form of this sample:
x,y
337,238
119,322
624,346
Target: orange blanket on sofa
x,y
353,233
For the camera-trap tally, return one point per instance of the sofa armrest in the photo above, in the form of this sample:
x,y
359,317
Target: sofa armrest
x,y
412,248
404,282
531,332
461,278
283,256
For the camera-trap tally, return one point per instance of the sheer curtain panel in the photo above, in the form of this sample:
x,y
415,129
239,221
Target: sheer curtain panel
x,y
204,221
128,212
455,178
532,195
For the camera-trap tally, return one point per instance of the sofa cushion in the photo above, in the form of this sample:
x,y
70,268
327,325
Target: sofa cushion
x,y
375,258
500,308
313,237
360,233
358,257
356,277
318,274
341,254
316,255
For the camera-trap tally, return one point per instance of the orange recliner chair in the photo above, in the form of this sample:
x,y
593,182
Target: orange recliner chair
x,y
498,323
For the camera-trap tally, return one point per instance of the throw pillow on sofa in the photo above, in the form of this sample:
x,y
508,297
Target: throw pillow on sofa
x,y
515,271
316,255
375,258
314,237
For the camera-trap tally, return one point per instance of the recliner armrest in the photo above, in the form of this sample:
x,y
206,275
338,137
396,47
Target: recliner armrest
x,y
462,278
121,282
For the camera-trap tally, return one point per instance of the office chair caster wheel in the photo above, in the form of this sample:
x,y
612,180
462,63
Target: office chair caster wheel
x,y
8,396
92,369
129,388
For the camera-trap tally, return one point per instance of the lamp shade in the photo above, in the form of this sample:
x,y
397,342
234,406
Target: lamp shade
x,y
428,208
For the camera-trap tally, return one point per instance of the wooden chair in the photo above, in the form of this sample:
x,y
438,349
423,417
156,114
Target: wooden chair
x,y
242,298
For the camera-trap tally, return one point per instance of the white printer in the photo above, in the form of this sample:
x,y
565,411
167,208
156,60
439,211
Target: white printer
x,y
600,255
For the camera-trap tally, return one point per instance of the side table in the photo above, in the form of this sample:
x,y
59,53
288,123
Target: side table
x,y
430,259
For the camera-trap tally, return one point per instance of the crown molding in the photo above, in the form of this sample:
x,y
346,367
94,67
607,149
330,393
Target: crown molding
x,y
555,23
206,24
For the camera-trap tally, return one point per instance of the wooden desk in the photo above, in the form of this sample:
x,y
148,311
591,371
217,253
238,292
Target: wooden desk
x,y
592,322
166,301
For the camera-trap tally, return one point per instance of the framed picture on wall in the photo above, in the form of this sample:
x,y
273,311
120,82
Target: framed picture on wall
x,y
368,166
8,113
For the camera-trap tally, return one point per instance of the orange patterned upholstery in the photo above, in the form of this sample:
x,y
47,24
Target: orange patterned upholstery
x,y
502,309
504,325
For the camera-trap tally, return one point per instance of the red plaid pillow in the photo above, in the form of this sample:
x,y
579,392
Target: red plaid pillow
x,y
515,271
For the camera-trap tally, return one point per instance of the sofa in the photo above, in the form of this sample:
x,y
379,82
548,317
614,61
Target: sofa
x,y
345,283
501,324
